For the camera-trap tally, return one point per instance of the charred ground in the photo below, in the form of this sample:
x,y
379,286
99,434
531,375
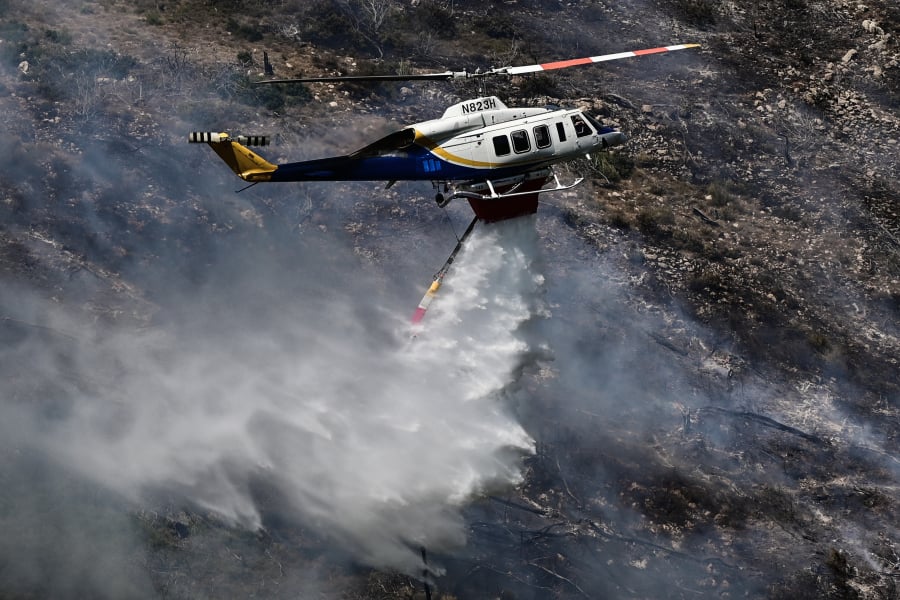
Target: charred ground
x,y
722,418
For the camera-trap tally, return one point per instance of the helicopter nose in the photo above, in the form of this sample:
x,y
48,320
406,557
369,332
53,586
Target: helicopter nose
x,y
613,138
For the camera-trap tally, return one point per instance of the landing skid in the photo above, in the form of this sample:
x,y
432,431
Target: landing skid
x,y
529,184
511,189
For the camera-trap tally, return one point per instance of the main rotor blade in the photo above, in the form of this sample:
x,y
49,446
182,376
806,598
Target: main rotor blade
x,y
447,75
563,64
360,78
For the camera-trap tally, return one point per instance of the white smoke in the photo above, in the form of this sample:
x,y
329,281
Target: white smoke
x,y
372,438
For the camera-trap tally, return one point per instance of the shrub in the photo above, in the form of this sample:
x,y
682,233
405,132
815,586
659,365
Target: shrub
x,y
430,16
797,5
538,85
698,12
240,88
15,40
720,192
497,27
251,34
331,28
654,222
95,61
619,220
707,280
819,341
57,36
611,166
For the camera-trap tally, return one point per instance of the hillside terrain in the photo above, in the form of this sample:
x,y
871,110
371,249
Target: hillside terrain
x,y
712,387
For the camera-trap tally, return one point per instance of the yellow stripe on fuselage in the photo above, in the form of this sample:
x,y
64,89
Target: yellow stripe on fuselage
x,y
436,149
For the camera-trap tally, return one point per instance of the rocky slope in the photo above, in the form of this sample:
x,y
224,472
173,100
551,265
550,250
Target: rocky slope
x,y
745,244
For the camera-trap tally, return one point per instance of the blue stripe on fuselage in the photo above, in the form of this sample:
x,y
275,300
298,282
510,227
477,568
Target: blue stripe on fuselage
x,y
415,164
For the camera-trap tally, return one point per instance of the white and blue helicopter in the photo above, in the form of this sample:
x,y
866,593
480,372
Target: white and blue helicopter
x,y
498,158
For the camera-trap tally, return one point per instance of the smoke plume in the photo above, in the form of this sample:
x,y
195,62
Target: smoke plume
x,y
373,438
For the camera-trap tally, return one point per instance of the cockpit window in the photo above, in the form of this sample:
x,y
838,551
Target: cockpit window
x,y
597,125
581,128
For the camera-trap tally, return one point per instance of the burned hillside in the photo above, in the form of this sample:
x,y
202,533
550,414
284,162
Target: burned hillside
x,y
685,375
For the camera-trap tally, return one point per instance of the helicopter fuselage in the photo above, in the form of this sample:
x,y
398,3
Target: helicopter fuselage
x,y
474,140
496,157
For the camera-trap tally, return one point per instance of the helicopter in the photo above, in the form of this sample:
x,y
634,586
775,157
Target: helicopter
x,y
500,159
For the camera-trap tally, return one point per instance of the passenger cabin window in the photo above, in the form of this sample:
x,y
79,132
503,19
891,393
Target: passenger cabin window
x,y
561,132
520,141
542,136
581,128
501,145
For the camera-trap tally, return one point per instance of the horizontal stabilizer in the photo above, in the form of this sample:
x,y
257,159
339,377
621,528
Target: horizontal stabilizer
x,y
209,137
245,163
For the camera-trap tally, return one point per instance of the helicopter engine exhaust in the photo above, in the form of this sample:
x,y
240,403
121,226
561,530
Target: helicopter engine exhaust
x,y
207,137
